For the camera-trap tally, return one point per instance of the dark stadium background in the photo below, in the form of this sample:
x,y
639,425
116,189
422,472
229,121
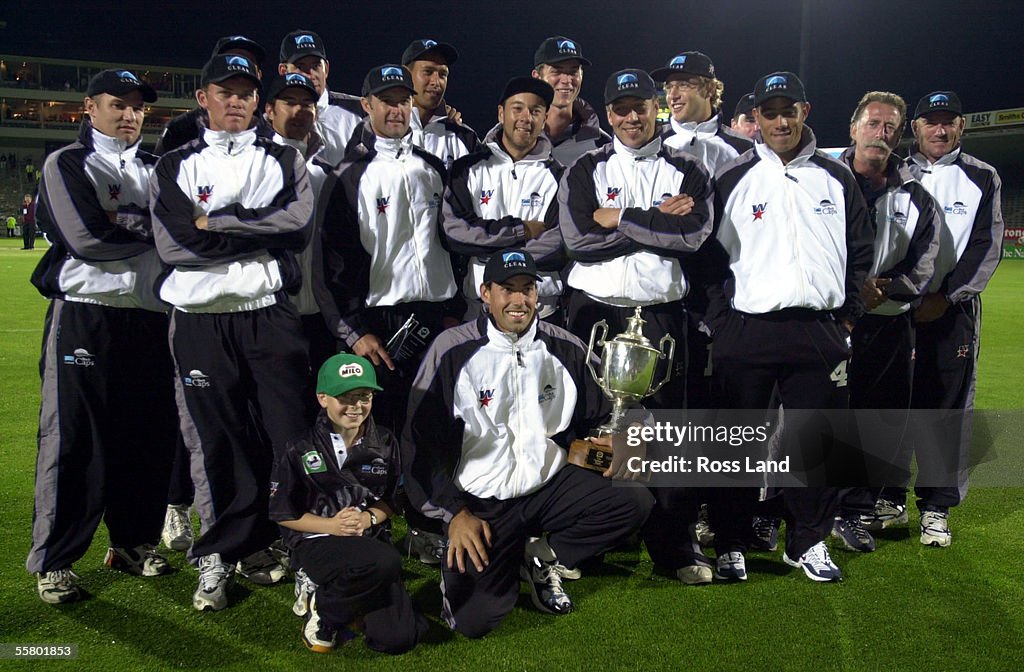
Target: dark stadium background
x,y
910,47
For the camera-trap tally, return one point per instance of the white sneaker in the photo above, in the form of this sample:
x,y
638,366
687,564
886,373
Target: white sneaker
x,y
140,561
304,589
58,586
215,576
935,529
816,563
731,567
887,513
317,637
262,568
177,534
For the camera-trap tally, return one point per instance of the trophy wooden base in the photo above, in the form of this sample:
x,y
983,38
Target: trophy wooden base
x,y
589,455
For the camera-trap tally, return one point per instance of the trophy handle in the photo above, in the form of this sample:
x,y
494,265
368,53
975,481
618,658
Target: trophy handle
x,y
602,328
670,355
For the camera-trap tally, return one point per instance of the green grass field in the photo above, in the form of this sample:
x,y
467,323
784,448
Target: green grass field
x,y
903,607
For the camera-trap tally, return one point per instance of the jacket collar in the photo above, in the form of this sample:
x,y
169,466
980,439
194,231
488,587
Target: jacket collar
x,y
540,152
917,157
506,341
690,130
390,147
896,172
808,145
648,151
101,143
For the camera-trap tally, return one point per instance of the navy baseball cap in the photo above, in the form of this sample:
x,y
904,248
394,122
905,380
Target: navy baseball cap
x,y
629,82
686,63
779,85
538,87
510,263
418,48
240,42
744,105
299,43
118,83
557,49
939,101
226,66
387,76
293,80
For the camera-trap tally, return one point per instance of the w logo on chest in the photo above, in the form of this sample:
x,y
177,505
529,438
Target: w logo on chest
x,y
382,205
203,193
485,196
114,190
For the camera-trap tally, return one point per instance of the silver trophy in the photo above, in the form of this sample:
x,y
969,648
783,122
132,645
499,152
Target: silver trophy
x,y
629,362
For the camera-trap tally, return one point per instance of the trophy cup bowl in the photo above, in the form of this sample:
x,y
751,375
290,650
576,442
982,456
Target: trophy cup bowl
x,y
628,362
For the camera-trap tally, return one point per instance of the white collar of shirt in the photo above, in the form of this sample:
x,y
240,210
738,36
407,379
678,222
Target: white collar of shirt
x,y
231,143
690,129
104,144
299,145
393,147
648,151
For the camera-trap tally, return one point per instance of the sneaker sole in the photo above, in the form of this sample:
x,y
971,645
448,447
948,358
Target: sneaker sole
x,y
115,561
200,604
695,576
809,575
732,578
316,648
849,547
50,598
879,525
180,544
936,542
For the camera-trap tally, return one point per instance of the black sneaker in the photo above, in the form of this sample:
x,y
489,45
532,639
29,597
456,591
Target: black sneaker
x,y
853,534
765,534
426,547
546,586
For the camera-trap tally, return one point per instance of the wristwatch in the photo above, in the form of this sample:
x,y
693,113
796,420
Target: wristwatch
x,y
373,518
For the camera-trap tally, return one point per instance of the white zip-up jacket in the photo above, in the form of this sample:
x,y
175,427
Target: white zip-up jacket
x,y
969,192
490,195
907,227
638,263
381,240
706,140
92,259
491,414
259,202
796,235
442,137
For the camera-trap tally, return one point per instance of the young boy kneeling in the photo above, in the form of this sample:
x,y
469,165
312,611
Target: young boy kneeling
x,y
332,491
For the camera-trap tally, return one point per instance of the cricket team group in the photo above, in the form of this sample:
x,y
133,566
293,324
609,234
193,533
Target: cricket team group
x,y
309,312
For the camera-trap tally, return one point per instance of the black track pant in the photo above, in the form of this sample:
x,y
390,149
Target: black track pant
x,y
242,390
881,376
362,577
804,355
584,514
945,373
106,430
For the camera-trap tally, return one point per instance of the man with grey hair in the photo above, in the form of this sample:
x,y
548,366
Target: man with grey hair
x,y
907,225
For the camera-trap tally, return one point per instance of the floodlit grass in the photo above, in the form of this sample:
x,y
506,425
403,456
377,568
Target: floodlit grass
x,y
903,607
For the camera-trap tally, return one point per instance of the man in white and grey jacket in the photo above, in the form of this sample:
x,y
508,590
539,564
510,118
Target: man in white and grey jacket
x,y
387,279
505,195
907,226
949,318
793,247
631,213
107,420
230,210
494,407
